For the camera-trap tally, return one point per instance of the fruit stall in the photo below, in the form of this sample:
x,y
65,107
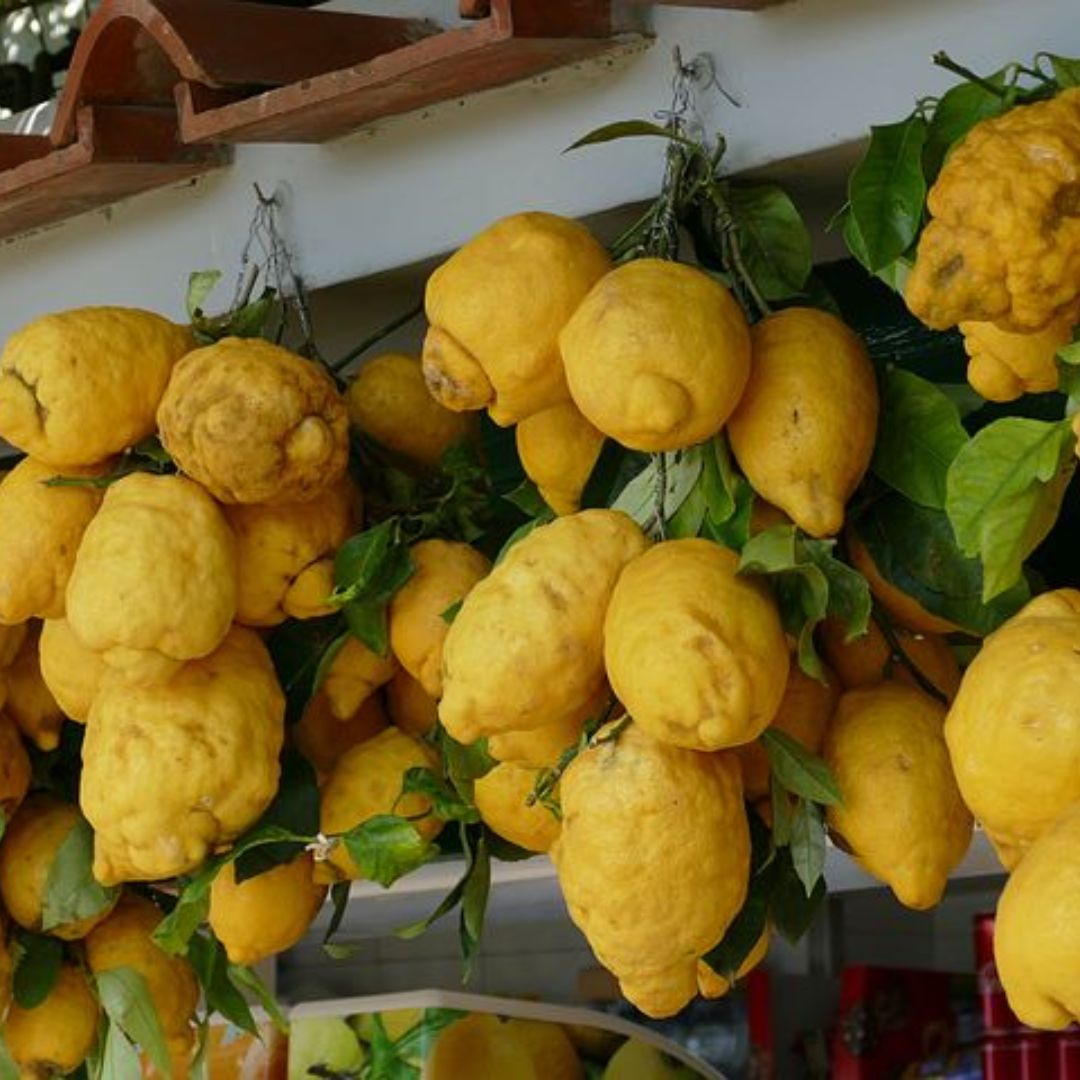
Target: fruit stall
x,y
538,540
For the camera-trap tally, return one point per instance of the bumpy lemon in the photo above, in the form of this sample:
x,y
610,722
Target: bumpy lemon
x,y
695,651
527,644
29,702
40,531
154,582
501,799
265,914
869,659
125,940
389,402
322,738
657,355
255,423
53,1038
558,449
445,572
1014,728
632,802
1004,365
366,782
1036,938
81,385
27,853
409,705
354,675
173,772
804,430
712,984
496,308
14,769
285,554
901,817
803,713
70,670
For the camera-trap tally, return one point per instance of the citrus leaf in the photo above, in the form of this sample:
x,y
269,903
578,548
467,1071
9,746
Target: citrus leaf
x,y
451,613
1066,71
371,566
37,965
792,910
464,764
339,900
629,129
1004,493
919,434
119,1059
734,531
773,239
886,191
527,498
72,893
719,480
797,770
957,112
744,931
682,468
780,800
808,845
125,997
914,549
446,803
247,981
299,649
474,900
211,965
386,847
201,284
687,520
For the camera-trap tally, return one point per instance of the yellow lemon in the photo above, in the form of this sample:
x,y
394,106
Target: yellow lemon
x,y
255,423
353,676
541,747
657,355
14,768
479,1045
624,800
501,799
804,430
901,816
70,670
29,701
1014,729
558,449
366,781
1036,939
552,1053
173,772
496,308
409,705
527,644
79,386
53,1038
27,853
322,738
264,915
695,651
444,573
163,546
40,531
389,402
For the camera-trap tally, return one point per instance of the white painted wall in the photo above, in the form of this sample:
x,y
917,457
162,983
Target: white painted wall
x,y
809,74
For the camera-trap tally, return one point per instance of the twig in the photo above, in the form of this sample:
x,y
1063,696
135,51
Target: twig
x,y
660,493
374,339
897,652
943,60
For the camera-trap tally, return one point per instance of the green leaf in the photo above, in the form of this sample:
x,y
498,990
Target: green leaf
x,y
298,649
744,931
339,900
792,911
773,239
1069,376
681,471
386,847
369,624
958,111
919,434
809,583
372,565
451,613
797,770
38,961
125,997
807,846
446,803
247,981
72,893
1005,489
886,191
474,900
120,1059
527,498
734,531
628,129
780,800
1066,70
464,763
719,480
211,966
966,400
201,284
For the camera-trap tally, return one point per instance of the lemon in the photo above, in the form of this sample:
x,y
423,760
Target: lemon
x,y
901,816
501,799
71,672
409,705
29,702
322,738
558,449
657,355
